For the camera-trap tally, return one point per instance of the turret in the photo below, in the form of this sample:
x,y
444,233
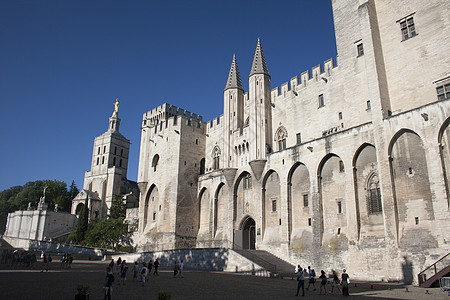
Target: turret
x,y
260,120
233,108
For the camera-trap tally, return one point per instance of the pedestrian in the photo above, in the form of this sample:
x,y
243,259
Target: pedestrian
x,y
63,259
323,283
180,269
335,282
150,266
176,267
123,271
301,280
144,271
119,265
111,263
135,270
44,263
312,278
108,284
156,265
345,281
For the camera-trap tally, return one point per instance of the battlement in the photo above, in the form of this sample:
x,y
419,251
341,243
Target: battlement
x,y
165,111
318,73
214,123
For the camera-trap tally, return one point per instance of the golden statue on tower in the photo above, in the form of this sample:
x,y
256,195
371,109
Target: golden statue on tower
x,y
116,107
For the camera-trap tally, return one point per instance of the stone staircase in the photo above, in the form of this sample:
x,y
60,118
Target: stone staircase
x,y
430,276
268,261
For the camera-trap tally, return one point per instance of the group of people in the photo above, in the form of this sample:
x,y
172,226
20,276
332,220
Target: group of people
x,y
66,260
14,258
310,275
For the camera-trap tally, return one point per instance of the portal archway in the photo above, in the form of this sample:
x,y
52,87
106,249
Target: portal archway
x,y
248,234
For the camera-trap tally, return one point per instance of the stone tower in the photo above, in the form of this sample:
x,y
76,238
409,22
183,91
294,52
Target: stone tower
x,y
260,123
108,175
172,157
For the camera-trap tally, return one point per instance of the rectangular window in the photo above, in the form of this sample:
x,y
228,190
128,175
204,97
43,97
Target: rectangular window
x,y
121,152
340,116
407,27
341,166
104,149
321,101
309,221
360,49
154,216
369,107
274,205
375,201
305,200
299,138
98,150
97,160
281,144
443,92
120,163
114,161
339,204
103,160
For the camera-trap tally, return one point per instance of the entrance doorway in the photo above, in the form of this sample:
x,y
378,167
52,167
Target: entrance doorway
x,y
248,234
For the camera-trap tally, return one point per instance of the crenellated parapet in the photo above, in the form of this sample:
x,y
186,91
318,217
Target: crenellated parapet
x,y
319,74
166,111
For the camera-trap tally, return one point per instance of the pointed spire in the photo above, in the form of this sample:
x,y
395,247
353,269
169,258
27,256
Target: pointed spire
x,y
234,78
259,62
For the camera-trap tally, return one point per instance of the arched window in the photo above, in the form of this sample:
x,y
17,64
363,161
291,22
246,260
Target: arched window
x,y
155,162
280,138
373,194
216,156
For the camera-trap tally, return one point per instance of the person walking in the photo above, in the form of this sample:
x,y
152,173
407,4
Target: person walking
x,y
135,270
108,283
336,282
345,282
144,271
180,269
312,278
156,265
301,280
176,267
150,266
123,271
323,283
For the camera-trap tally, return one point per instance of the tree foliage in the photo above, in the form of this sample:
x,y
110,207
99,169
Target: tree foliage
x,y
118,208
83,219
110,233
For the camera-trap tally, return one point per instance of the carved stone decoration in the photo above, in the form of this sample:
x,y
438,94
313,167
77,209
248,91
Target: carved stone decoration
x,y
229,174
257,166
142,187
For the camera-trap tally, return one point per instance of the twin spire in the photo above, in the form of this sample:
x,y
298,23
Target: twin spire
x,y
259,66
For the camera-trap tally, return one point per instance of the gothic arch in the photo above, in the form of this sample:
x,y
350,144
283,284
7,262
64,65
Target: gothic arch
x,y
331,184
299,200
219,207
369,220
444,152
280,137
215,154
238,193
270,205
152,190
410,184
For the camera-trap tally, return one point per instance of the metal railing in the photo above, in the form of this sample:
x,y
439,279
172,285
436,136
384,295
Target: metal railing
x,y
433,269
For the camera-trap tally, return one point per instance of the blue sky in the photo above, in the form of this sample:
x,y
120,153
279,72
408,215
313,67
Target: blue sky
x,y
63,63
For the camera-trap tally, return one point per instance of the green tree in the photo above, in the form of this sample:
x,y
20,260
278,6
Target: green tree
x,y
111,233
73,192
83,219
118,208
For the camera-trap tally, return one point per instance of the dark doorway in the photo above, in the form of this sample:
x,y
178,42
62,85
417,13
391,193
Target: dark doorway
x,y
248,234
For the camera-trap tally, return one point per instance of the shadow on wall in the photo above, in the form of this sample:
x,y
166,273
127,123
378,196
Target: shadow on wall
x,y
407,270
199,259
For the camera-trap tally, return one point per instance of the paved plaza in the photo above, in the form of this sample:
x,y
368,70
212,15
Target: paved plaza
x,y
60,283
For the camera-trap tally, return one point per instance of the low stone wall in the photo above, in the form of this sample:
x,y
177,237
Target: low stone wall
x,y
33,245
212,259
